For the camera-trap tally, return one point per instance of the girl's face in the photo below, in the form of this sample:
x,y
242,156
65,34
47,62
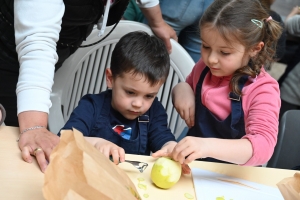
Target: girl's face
x,y
222,58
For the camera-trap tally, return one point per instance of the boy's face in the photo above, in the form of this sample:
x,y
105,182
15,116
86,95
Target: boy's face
x,y
132,95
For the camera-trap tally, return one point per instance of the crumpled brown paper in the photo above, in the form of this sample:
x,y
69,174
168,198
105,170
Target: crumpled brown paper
x,y
79,171
290,187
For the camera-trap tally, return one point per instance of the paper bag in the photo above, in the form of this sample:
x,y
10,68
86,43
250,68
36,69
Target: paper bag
x,y
290,187
79,171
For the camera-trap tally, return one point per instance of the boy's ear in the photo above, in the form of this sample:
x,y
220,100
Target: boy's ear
x,y
257,48
109,78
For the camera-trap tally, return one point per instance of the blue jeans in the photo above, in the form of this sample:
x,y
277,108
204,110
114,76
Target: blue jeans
x,y
184,17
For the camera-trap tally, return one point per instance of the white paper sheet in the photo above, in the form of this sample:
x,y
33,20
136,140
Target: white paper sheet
x,y
214,186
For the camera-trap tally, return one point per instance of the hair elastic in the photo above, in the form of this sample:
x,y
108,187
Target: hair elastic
x,y
269,18
257,22
252,79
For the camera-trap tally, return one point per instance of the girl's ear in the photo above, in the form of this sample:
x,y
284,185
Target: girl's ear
x,y
109,78
257,48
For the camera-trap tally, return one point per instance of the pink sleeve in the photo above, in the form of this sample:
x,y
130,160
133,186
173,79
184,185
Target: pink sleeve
x,y
261,109
193,77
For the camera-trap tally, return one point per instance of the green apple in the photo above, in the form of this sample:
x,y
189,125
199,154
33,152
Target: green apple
x,y
165,172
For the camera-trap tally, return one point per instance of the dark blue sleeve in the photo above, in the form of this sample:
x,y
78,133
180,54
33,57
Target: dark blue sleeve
x,y
159,133
84,115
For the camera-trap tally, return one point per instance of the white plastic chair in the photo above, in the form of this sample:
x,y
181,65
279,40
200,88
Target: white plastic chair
x,y
84,72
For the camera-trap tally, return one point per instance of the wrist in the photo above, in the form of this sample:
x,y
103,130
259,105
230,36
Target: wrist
x,y
32,118
32,128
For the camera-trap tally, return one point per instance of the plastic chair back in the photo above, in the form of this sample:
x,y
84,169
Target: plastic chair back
x,y
84,72
287,150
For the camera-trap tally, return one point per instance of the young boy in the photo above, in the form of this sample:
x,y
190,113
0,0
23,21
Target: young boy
x,y
128,117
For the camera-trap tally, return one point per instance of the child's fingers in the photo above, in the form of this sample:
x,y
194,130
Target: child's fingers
x,y
161,153
190,158
180,151
115,155
121,154
189,123
192,117
105,152
185,169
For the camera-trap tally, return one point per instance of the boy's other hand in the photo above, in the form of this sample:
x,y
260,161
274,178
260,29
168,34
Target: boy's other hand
x,y
108,149
166,150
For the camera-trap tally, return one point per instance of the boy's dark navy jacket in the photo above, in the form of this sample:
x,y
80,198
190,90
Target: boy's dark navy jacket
x,y
95,117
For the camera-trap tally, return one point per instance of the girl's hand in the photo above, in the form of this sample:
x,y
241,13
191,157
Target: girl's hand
x,y
185,169
108,149
189,149
166,150
184,102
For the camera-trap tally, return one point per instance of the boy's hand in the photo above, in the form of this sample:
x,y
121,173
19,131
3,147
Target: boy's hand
x,y
108,149
184,102
166,150
189,149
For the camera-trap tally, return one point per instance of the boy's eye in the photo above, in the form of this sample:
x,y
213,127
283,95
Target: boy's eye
x,y
205,47
225,53
149,96
129,92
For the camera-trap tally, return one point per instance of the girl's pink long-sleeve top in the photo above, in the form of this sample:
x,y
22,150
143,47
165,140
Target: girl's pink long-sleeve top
x,y
261,104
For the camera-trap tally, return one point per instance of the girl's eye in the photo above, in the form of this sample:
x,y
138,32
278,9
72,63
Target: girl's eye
x,y
205,47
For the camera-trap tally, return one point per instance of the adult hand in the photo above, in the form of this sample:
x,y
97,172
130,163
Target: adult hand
x,y
159,27
165,33
184,102
294,11
108,149
37,142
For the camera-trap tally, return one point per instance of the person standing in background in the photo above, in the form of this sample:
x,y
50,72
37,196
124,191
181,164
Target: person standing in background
x,y
183,17
292,53
289,89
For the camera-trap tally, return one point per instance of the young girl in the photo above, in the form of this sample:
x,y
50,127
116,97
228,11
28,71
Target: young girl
x,y
229,101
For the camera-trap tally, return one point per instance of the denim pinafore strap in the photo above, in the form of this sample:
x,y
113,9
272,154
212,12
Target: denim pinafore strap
x,y
139,145
208,126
